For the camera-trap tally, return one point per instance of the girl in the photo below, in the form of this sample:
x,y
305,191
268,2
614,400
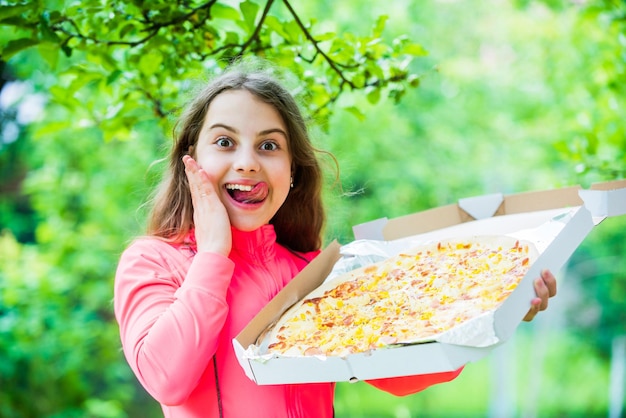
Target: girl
x,y
237,217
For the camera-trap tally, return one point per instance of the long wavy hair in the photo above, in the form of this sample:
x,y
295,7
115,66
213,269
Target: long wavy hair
x,y
300,220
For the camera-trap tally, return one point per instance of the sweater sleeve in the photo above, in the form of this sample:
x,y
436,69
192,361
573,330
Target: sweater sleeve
x,y
170,322
407,385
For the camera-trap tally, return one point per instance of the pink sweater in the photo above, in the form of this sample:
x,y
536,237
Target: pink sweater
x,y
177,310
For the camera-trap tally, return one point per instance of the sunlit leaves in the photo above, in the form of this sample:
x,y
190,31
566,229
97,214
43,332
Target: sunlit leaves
x,y
596,138
15,46
150,63
223,11
13,11
162,43
249,11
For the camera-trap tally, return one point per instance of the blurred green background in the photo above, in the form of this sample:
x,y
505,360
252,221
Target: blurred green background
x,y
421,102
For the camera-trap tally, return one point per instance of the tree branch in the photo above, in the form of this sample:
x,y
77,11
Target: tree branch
x,y
152,30
258,27
319,50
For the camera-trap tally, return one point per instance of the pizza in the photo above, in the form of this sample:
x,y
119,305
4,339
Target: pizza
x,y
408,298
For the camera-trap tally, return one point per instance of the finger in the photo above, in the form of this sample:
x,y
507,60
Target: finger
x,y
550,281
190,163
542,293
199,183
191,168
535,305
205,185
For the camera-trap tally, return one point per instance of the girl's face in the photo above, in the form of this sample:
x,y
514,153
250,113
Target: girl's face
x,y
244,149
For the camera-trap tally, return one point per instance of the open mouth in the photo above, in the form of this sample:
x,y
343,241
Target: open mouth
x,y
248,194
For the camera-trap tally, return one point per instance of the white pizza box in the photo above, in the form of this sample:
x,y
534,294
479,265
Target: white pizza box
x,y
556,221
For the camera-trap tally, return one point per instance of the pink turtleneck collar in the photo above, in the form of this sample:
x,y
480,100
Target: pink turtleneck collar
x,y
258,244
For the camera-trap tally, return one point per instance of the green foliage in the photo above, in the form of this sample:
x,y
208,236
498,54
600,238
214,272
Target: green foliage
x,y
55,336
599,268
59,339
594,129
144,54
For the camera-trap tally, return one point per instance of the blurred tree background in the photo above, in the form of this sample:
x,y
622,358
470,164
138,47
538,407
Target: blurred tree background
x,y
422,102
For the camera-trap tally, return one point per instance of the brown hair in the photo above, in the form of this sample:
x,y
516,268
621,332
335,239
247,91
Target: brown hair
x,y
299,221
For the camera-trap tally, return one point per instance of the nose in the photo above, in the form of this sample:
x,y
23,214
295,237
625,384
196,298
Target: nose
x,y
246,160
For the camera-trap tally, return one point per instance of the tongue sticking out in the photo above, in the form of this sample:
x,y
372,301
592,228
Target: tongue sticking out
x,y
257,194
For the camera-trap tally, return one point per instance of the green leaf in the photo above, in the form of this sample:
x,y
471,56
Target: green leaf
x,y
375,71
18,21
414,49
379,27
397,93
325,36
359,80
592,144
12,11
17,45
151,62
414,80
115,74
355,111
49,52
66,50
373,95
81,80
293,31
222,11
249,11
273,23
128,28
46,33
231,38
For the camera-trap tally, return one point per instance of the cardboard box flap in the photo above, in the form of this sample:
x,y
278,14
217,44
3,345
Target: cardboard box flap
x,y
605,199
445,216
428,220
384,229
540,200
468,209
609,185
305,282
370,230
481,207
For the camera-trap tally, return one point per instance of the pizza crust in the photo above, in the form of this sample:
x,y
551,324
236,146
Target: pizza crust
x,y
409,298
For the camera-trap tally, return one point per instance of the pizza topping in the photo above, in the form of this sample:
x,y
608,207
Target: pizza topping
x,y
405,299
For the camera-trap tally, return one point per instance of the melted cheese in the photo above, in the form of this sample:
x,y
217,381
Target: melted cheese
x,y
403,299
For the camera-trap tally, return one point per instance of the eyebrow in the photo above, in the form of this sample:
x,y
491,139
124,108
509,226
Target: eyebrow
x,y
235,130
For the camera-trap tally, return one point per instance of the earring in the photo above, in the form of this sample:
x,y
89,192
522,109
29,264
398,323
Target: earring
x,y
291,182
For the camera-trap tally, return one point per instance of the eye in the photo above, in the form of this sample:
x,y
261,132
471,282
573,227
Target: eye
x,y
224,142
269,146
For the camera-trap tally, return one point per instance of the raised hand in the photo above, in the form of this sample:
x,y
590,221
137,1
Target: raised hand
x,y
212,224
545,288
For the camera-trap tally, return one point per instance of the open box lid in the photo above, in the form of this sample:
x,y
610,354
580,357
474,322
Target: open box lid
x,y
606,199
597,199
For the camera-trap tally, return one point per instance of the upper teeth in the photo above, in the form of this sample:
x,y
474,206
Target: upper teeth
x,y
242,187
